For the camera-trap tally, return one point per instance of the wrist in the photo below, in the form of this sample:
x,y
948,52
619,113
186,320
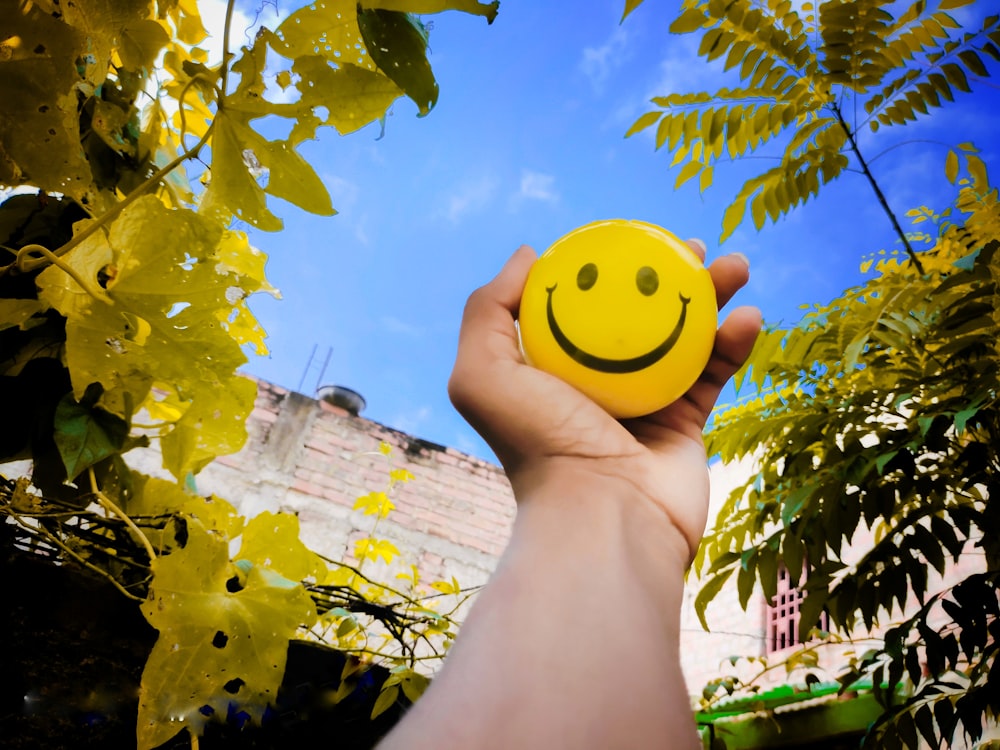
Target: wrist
x,y
587,502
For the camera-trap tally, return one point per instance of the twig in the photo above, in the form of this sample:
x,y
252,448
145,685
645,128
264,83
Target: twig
x,y
112,213
58,542
27,250
108,505
878,191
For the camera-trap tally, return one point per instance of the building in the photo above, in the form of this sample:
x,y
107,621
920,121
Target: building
x,y
314,457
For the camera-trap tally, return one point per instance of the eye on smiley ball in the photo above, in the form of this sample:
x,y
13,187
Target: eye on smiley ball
x,y
623,311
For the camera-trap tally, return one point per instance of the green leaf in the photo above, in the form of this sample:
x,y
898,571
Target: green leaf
x,y
85,434
962,417
952,4
397,42
422,7
709,591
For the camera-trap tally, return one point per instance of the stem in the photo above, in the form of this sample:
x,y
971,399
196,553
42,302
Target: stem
x,y
108,505
52,538
878,191
48,255
225,48
111,214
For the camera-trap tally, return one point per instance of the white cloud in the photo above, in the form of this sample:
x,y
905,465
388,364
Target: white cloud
x,y
410,421
470,197
682,71
392,324
537,186
598,63
344,195
243,29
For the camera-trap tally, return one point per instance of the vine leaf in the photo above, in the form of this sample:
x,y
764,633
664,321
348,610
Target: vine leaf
x,y
152,496
216,646
85,434
397,43
45,146
141,42
212,425
17,312
421,7
272,540
167,322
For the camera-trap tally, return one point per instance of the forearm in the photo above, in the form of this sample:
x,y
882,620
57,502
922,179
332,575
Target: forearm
x,y
574,643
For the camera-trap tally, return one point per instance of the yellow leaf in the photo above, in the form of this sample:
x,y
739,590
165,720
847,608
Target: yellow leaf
x,y
690,170
385,700
733,217
977,170
400,475
643,122
630,5
444,587
705,179
374,503
951,166
375,549
272,540
17,312
215,645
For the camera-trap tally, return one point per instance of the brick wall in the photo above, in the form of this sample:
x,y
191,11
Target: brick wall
x,y
307,457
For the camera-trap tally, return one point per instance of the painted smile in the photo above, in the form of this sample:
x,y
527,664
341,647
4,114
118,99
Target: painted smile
x,y
617,366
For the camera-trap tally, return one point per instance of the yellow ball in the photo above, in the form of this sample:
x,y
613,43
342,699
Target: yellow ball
x,y
623,311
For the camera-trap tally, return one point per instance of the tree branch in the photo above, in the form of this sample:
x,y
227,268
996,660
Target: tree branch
x,y
878,191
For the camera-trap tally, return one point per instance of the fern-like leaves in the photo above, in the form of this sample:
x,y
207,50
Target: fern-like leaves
x,y
796,68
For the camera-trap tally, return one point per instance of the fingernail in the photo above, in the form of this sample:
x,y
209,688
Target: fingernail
x,y
700,243
742,257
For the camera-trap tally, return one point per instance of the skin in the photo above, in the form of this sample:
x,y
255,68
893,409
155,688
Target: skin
x,y
575,641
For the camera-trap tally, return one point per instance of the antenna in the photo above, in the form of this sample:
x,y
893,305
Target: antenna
x,y
309,366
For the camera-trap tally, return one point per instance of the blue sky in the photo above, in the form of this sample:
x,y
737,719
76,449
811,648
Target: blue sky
x,y
525,144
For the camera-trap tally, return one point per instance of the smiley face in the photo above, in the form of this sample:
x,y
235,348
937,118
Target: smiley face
x,y
622,310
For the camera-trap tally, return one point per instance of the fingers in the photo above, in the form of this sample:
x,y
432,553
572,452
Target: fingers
x,y
699,247
729,274
493,307
507,285
733,344
488,333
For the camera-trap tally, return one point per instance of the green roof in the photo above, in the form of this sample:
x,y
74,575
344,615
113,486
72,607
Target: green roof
x,y
790,715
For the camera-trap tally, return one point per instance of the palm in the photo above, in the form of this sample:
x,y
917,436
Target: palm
x,y
529,416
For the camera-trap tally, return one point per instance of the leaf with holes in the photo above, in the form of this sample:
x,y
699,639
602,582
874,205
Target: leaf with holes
x,y
223,637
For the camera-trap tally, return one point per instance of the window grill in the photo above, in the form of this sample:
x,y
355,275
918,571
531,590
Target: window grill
x,y
782,614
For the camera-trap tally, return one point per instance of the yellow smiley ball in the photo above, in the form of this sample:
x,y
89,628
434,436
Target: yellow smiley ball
x,y
623,311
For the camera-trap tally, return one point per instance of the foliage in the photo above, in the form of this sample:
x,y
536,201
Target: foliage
x,y
805,74
877,415
872,422
124,318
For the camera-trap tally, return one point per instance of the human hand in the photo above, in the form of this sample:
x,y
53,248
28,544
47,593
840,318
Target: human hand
x,y
542,429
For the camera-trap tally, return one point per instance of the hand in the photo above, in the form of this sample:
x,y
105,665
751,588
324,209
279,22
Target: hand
x,y
540,427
